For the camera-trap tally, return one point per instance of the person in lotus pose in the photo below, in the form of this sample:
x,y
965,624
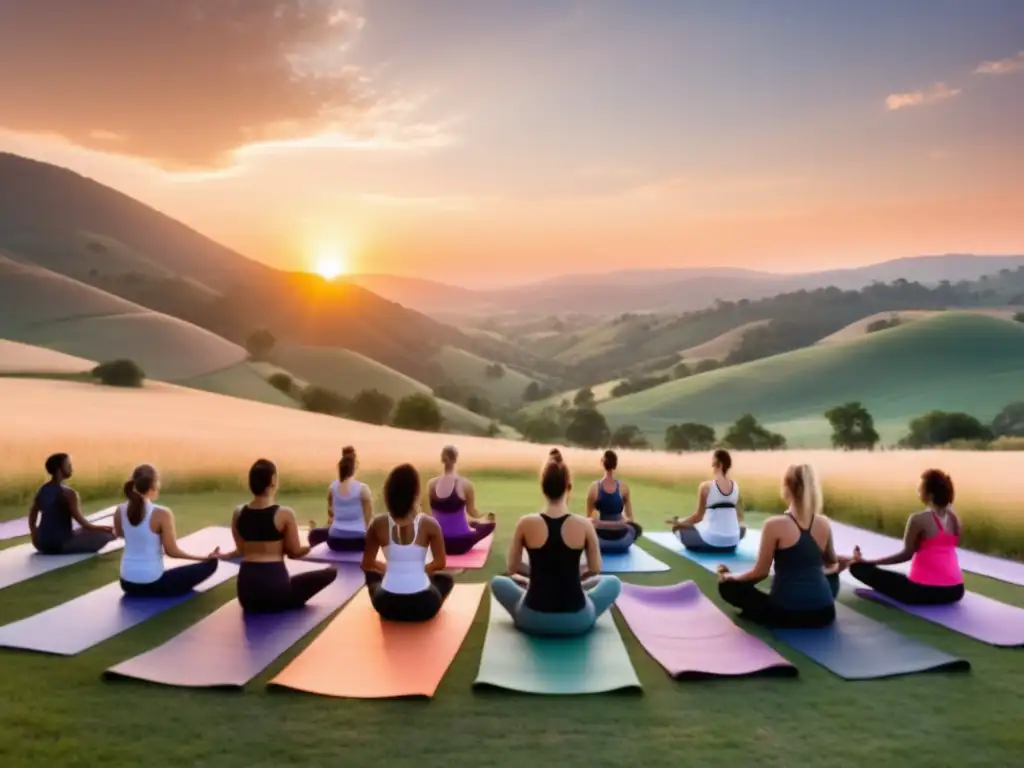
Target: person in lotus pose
x,y
265,533
799,543
406,587
556,599
148,533
929,543
453,503
349,509
54,509
610,509
717,525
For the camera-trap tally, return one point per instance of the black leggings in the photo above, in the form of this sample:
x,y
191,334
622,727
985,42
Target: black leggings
x,y
418,606
611,534
337,543
693,541
81,541
902,589
269,588
174,581
758,606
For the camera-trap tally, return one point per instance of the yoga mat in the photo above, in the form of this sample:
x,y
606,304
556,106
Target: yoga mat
x,y
475,558
12,529
79,624
976,616
741,560
691,638
635,560
227,649
858,648
596,662
383,659
873,545
22,562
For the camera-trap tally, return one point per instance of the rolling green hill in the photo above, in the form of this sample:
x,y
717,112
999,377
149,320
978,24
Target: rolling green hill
x,y
951,362
469,370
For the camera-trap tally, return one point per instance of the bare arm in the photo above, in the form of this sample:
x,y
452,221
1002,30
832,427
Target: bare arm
x,y
698,515
293,547
593,553
594,516
514,561
33,517
370,563
829,558
470,492
439,558
739,511
765,555
366,499
627,501
910,536
118,526
330,507
236,536
169,538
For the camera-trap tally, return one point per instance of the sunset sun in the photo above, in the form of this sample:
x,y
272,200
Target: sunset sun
x,y
330,265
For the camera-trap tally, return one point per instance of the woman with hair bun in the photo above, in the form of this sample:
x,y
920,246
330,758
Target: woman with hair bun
x,y
610,509
799,544
717,525
148,533
929,543
349,509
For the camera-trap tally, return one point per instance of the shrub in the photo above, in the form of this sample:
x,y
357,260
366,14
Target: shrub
x,y
746,434
689,437
588,428
322,400
495,371
939,428
372,407
119,373
418,411
883,324
282,382
541,429
584,398
259,344
629,436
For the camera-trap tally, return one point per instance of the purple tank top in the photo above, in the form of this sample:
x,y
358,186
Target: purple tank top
x,y
450,513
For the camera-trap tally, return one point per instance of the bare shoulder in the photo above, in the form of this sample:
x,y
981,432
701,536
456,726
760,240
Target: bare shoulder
x,y
285,513
624,486
704,487
428,523
364,491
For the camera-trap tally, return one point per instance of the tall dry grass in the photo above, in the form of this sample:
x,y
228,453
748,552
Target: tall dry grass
x,y
204,441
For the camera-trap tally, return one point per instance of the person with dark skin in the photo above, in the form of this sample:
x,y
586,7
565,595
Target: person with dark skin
x,y
406,587
265,533
55,508
453,505
799,543
930,542
717,523
610,509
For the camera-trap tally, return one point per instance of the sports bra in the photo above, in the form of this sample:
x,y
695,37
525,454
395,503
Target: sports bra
x,y
450,503
609,504
555,573
258,524
935,563
405,573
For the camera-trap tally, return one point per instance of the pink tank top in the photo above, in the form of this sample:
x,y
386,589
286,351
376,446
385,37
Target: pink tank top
x,y
935,563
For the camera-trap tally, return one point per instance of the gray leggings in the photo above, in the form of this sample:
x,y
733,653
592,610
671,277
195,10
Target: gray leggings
x,y
693,541
601,592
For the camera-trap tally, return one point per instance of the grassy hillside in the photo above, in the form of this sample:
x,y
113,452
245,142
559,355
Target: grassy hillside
x,y
860,328
241,380
718,348
17,358
952,362
470,370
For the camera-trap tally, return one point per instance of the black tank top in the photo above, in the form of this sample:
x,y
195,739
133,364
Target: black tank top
x,y
555,573
55,515
258,524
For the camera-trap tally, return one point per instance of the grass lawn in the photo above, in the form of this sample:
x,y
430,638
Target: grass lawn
x,y
58,711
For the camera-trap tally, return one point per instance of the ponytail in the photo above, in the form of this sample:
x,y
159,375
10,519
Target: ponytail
x,y
804,488
347,465
142,482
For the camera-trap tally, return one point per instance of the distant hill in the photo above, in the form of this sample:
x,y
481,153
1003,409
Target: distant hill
x,y
953,361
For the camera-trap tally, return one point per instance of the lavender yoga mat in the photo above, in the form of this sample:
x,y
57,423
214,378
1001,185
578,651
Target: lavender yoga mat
x,y
229,648
691,638
872,545
12,529
79,624
976,616
22,562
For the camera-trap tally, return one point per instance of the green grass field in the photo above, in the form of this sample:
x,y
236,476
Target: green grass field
x,y
58,711
242,380
959,362
471,370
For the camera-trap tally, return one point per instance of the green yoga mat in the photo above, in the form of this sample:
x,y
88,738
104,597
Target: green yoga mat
x,y
596,662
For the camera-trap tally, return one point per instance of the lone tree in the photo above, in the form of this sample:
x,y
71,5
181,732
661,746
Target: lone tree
x,y
281,381
495,371
689,437
584,398
418,411
852,427
119,373
746,434
371,406
260,343
629,436
588,429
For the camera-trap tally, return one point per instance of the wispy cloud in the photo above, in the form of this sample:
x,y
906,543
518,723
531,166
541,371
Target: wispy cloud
x,y
1001,66
936,94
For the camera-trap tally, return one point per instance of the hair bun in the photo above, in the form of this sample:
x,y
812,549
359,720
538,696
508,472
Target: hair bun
x,y
348,450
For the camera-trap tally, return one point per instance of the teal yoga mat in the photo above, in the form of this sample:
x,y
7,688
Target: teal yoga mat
x,y
596,662
636,560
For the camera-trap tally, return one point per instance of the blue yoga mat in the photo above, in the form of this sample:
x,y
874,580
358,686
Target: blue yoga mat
x,y
858,648
228,648
742,559
21,563
634,560
78,624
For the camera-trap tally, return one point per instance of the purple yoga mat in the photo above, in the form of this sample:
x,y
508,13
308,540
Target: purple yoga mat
x,y
873,545
976,616
12,529
79,624
228,648
691,638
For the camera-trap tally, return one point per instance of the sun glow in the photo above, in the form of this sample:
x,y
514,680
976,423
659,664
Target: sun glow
x,y
330,265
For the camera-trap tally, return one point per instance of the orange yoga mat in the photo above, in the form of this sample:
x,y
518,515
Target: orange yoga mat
x,y
383,659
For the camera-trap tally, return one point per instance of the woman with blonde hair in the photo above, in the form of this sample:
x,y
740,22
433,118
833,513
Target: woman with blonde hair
x,y
453,505
799,544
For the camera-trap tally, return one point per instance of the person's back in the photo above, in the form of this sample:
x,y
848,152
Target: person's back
x,y
406,571
555,548
142,561
55,509
935,563
721,526
609,503
800,583
453,505
54,516
449,506
347,506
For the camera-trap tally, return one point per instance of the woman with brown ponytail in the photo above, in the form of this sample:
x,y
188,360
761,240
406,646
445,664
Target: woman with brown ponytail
x,y
349,509
799,543
148,533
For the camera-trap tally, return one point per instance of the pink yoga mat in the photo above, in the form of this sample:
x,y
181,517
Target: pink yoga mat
x,y
475,558
691,638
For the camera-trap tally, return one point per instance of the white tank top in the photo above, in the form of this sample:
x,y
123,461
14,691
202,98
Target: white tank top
x,y
721,527
406,572
347,509
143,559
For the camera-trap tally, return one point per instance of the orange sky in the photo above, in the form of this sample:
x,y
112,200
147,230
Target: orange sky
x,y
535,141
